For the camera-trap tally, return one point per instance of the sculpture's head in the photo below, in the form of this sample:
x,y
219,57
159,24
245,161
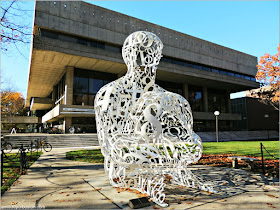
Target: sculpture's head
x,y
143,49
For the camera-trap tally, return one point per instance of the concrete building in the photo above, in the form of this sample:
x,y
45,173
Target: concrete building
x,y
255,115
77,49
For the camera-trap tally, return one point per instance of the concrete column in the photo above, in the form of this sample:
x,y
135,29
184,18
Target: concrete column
x,y
69,83
205,99
66,123
186,91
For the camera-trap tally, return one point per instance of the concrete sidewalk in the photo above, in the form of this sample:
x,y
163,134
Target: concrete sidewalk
x,y
55,182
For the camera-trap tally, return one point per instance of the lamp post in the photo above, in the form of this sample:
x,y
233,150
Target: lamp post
x,y
217,113
267,116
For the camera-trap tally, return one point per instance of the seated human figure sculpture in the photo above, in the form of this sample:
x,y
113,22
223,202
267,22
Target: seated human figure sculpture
x,y
144,131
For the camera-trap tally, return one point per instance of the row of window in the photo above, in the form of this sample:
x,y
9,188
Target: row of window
x,y
206,68
87,84
79,40
113,48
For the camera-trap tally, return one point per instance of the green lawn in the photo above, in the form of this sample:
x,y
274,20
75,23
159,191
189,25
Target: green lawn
x,y
92,156
11,168
245,148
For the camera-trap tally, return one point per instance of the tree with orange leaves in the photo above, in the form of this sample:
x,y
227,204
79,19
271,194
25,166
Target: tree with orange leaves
x,y
268,75
12,104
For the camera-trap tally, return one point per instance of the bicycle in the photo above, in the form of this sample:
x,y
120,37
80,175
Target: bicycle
x,y
43,144
6,146
31,147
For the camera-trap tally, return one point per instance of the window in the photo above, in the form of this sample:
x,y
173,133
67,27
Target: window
x,y
253,79
87,84
80,84
217,101
195,98
171,86
95,85
215,71
59,90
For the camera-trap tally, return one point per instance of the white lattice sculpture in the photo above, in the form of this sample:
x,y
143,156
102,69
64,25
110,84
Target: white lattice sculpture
x,y
144,131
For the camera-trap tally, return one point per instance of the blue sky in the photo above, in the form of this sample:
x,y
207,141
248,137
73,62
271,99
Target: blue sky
x,y
248,26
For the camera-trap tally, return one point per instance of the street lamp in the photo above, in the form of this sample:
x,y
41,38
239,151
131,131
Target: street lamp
x,y
267,116
217,113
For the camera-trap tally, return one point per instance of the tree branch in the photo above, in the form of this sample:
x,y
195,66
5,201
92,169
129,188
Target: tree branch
x,y
6,10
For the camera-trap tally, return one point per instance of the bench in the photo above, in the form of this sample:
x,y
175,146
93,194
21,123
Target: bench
x,y
249,160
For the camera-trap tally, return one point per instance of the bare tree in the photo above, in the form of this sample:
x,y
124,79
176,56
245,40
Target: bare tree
x,y
15,31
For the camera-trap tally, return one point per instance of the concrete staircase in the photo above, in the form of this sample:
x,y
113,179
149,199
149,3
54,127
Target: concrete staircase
x,y
239,136
56,140
83,140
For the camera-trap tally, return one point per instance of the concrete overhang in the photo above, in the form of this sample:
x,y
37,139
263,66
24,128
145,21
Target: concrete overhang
x,y
41,104
48,67
211,116
61,111
20,120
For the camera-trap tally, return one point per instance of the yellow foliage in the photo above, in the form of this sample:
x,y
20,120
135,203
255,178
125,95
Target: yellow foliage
x,y
12,103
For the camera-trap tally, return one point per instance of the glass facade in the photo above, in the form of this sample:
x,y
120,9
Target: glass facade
x,y
87,84
59,91
195,98
239,106
217,101
85,124
171,86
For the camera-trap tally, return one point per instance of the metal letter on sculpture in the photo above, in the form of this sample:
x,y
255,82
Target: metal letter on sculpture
x,y
144,131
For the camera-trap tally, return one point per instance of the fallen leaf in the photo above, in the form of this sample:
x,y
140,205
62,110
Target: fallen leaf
x,y
67,194
14,203
62,192
273,196
269,204
97,189
189,203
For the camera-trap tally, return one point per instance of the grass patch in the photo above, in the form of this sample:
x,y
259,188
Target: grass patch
x,y
91,156
11,168
244,148
214,154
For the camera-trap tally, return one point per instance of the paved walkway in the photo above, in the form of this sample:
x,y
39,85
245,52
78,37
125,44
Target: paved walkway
x,y
55,182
